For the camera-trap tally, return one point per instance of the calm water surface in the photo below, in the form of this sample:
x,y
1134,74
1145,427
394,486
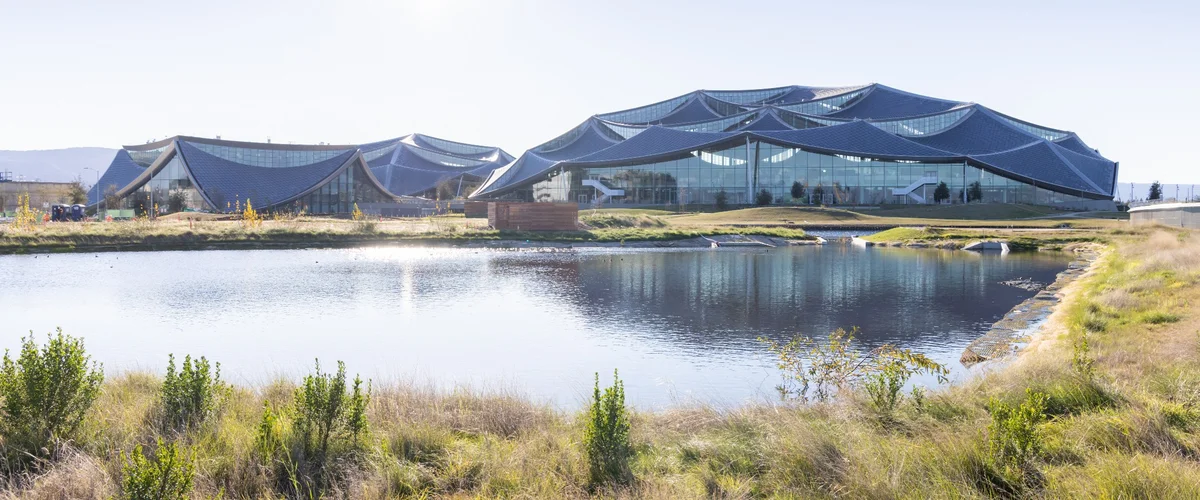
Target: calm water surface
x,y
680,325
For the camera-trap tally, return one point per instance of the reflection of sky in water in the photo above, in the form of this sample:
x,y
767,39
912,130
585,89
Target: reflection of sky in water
x,y
678,324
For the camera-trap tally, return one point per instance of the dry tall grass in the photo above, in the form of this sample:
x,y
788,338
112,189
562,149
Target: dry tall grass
x,y
1130,431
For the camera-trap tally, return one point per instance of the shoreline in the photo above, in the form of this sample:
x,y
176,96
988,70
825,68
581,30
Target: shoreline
x,y
699,240
1028,321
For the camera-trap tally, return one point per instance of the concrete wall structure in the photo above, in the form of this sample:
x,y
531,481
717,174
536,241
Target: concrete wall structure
x,y
1168,214
41,194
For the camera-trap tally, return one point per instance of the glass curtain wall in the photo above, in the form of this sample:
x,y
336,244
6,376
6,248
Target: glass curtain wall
x,y
168,191
829,179
341,193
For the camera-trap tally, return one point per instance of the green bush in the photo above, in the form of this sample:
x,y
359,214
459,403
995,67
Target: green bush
x,y
1014,437
324,409
763,198
606,436
722,200
169,475
46,393
883,388
192,394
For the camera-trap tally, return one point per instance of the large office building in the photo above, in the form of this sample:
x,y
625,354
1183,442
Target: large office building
x,y
858,145
192,173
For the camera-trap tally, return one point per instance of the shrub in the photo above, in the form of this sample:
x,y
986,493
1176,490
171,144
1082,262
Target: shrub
x,y
250,217
324,409
763,198
269,436
606,435
46,394
1081,358
1013,435
837,365
722,200
191,395
883,389
169,475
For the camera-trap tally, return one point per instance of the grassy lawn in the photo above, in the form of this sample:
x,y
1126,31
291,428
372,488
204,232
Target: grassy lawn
x,y
1116,368
177,233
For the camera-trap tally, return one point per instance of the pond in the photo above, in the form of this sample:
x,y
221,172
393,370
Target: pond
x,y
680,325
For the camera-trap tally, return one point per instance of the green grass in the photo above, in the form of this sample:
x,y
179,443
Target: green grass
x,y
163,235
1018,239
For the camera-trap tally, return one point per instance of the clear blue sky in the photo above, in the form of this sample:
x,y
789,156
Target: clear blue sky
x,y
514,74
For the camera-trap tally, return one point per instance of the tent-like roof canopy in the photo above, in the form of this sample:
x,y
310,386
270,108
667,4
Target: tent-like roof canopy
x,y
417,163
870,121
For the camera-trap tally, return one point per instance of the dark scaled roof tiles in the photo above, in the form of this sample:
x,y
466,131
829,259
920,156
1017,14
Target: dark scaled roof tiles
x,y
979,133
883,102
589,140
856,138
695,110
655,141
1040,162
224,181
121,171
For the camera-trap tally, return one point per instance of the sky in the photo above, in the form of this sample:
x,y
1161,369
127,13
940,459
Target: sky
x,y
517,73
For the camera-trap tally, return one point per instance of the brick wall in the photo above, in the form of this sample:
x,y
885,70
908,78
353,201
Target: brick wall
x,y
533,216
475,209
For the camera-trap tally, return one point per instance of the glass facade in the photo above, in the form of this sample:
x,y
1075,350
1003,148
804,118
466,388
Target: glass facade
x,y
749,96
823,106
456,147
1045,133
646,114
445,159
268,157
744,170
169,190
925,125
145,158
341,193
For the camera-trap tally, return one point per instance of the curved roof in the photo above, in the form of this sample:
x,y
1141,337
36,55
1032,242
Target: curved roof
x,y
220,179
226,171
120,172
870,121
417,163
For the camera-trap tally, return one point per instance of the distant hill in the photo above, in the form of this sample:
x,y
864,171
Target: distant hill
x,y
56,165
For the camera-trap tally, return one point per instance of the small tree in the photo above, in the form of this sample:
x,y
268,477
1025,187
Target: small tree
x,y
77,194
167,476
606,437
722,200
46,393
941,192
975,192
763,198
797,190
1014,437
111,200
192,394
176,201
1155,191
819,193
324,409
836,365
